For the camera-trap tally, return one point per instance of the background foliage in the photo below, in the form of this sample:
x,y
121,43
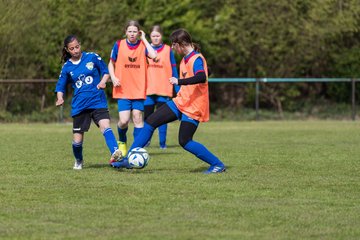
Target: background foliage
x,y
240,38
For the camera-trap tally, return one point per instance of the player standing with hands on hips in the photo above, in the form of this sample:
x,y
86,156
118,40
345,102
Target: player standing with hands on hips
x,y
127,68
190,106
159,90
88,75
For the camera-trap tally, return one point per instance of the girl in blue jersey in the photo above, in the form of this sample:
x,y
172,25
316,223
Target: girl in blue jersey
x,y
190,106
159,70
88,74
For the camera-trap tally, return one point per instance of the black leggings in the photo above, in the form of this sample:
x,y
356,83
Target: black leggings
x,y
165,115
149,109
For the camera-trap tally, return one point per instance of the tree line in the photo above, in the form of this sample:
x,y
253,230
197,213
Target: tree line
x,y
240,38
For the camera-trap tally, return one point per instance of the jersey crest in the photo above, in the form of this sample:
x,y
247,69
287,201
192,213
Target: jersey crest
x,y
90,65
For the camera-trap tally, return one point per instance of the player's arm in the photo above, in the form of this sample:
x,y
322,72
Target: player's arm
x,y
111,65
61,87
114,79
104,72
59,98
174,70
173,65
199,76
151,53
102,83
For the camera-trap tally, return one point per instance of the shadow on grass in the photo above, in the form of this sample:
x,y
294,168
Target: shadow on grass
x,y
98,165
162,153
105,165
152,171
202,169
157,146
142,171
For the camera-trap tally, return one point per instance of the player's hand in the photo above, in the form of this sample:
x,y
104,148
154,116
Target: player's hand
x,y
142,34
173,81
116,82
59,102
101,85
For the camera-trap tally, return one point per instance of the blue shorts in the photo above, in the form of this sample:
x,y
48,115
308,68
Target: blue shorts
x,y
130,104
153,99
181,116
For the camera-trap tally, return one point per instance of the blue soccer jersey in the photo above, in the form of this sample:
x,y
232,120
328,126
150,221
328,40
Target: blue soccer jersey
x,y
84,76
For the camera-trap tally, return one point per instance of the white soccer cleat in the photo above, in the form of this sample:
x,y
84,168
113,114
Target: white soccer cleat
x,y
116,156
78,165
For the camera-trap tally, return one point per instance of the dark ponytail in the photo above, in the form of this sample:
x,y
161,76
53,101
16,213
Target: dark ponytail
x,y
65,54
183,38
196,47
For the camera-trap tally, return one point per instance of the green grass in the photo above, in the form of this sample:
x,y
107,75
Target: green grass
x,y
285,180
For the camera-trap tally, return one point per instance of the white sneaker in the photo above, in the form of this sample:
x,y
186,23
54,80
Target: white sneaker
x,y
78,165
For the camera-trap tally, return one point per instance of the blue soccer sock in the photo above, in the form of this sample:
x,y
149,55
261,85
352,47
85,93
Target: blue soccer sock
x,y
122,134
202,152
136,131
143,137
77,150
162,135
110,140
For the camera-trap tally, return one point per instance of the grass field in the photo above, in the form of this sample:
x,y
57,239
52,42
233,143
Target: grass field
x,y
285,180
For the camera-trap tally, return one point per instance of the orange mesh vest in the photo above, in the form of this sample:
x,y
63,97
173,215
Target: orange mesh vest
x,y
158,73
193,100
130,68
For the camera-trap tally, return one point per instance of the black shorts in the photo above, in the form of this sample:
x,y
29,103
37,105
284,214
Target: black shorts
x,y
82,121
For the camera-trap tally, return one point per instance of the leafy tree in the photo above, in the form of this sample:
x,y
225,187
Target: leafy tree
x,y
240,38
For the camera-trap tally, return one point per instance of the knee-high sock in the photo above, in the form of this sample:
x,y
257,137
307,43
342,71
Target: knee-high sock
x,y
77,150
136,131
143,137
162,134
110,140
202,152
122,134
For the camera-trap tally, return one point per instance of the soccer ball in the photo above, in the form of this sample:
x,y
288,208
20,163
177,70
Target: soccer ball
x,y
138,158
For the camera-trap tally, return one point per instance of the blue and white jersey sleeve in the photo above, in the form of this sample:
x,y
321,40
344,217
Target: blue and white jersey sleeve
x,y
63,80
100,65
